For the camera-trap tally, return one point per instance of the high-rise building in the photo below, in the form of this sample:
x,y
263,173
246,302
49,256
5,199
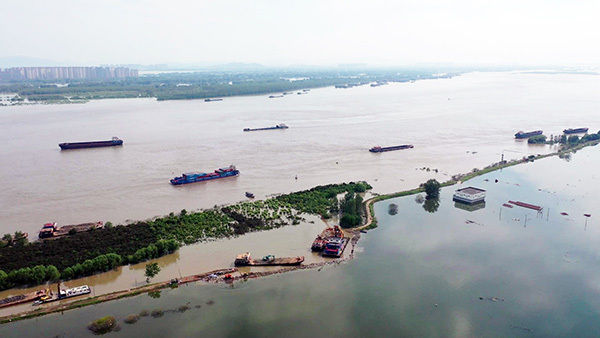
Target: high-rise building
x,y
66,73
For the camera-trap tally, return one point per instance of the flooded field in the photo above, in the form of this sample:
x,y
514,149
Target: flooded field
x,y
444,271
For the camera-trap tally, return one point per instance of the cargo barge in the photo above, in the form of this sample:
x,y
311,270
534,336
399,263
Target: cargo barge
x,y
321,240
383,149
199,177
523,134
575,131
25,298
279,126
245,260
51,230
93,144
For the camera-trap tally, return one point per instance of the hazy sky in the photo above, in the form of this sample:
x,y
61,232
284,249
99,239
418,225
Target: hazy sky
x,y
303,32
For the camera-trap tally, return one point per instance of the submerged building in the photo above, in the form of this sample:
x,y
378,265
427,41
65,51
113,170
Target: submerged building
x,y
469,195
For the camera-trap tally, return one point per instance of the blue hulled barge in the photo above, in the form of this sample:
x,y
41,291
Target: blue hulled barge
x,y
199,177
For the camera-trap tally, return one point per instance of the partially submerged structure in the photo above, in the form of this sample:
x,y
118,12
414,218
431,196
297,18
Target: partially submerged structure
x,y
469,195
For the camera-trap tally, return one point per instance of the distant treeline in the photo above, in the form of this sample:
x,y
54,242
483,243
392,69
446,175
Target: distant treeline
x,y
98,250
179,86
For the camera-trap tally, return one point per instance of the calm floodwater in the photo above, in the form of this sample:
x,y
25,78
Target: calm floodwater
x,y
419,273
455,124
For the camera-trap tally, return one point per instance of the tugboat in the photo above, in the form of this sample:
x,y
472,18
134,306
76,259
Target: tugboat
x,y
199,177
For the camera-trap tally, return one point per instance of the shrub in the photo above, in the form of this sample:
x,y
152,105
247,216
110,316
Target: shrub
x,y
103,325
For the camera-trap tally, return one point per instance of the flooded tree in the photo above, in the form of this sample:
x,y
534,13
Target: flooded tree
x,y
432,188
152,269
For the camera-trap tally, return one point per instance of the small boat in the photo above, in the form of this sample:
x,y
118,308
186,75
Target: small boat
x,y
393,209
587,215
245,260
575,131
249,194
74,292
212,99
274,96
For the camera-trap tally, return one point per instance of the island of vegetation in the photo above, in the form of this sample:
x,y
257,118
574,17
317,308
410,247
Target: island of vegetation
x,y
86,253
206,84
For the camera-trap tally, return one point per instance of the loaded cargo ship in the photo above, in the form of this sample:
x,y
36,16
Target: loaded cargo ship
x,y
199,177
382,149
279,126
575,131
51,230
522,134
92,144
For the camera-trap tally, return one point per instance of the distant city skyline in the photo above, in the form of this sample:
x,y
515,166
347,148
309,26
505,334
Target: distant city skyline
x,y
310,32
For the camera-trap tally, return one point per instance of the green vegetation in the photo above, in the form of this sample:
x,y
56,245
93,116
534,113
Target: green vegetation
x,y
432,189
131,319
99,250
152,270
103,325
322,199
537,139
199,85
352,210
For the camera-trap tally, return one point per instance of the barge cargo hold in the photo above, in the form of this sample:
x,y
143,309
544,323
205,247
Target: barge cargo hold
x,y
382,149
575,131
522,134
92,144
199,177
279,126
246,260
25,298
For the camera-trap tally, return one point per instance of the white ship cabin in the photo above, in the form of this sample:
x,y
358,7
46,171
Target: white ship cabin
x,y
469,195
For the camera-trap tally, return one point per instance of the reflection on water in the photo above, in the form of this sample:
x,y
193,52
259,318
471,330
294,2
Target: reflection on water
x,y
495,272
431,205
469,207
